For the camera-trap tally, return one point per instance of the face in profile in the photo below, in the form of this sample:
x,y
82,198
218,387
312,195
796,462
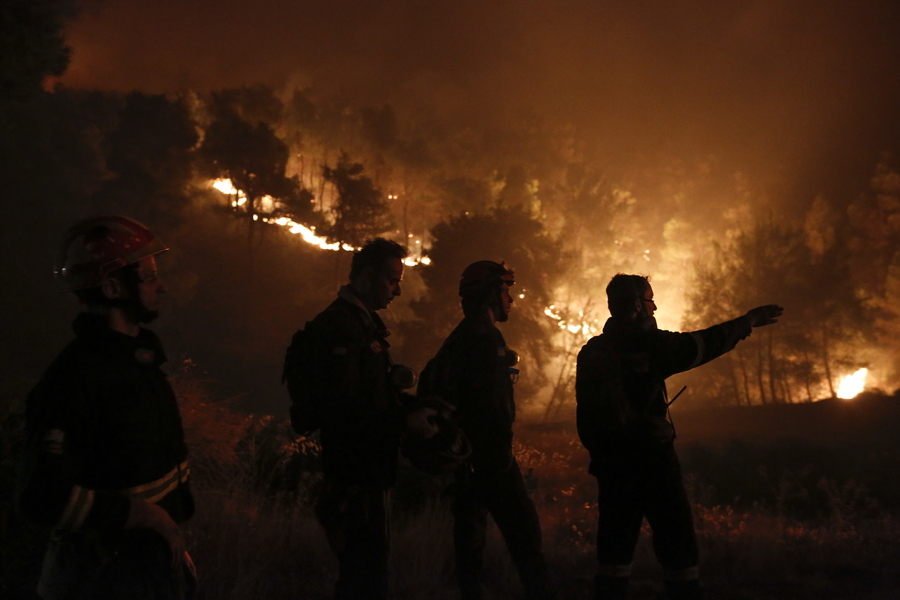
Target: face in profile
x,y
150,290
385,284
506,302
139,293
648,306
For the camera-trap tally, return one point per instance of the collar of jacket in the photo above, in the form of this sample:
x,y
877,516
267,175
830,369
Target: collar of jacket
x,y
370,317
479,326
145,347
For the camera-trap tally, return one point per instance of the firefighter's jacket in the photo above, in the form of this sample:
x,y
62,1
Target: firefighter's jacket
x,y
479,384
621,381
103,424
362,416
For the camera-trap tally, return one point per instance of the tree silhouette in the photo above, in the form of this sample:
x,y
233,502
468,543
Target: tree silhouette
x,y
873,249
360,210
501,234
771,261
150,154
251,156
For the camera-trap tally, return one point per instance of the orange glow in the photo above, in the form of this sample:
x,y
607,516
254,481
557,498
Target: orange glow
x,y
581,326
226,187
851,385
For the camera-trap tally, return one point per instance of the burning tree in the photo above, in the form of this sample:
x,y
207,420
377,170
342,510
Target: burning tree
x,y
873,243
251,156
821,331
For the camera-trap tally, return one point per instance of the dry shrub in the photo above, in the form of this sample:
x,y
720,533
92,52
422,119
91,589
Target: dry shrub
x,y
750,554
254,534
246,546
211,428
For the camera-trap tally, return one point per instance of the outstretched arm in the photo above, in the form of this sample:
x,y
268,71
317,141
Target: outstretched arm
x,y
678,355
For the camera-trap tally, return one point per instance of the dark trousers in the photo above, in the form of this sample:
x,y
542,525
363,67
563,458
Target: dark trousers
x,y
356,524
503,495
647,484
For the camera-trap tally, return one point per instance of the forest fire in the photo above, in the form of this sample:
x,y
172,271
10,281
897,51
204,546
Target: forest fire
x,y
308,234
852,385
736,153
574,322
226,187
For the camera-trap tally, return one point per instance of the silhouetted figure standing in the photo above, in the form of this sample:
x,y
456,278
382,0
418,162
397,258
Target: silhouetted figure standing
x,y
622,421
362,420
107,464
478,371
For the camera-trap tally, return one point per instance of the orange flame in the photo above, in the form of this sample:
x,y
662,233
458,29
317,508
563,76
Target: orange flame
x,y
852,385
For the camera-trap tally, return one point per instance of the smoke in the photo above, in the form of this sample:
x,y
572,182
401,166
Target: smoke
x,y
773,88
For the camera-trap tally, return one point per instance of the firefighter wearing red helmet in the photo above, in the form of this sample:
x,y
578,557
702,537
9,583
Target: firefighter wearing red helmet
x,y
96,247
474,372
107,463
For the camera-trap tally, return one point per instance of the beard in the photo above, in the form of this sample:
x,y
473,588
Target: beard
x,y
135,310
647,323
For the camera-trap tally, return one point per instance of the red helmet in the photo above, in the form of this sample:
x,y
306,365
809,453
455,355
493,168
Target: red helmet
x,y
483,276
96,247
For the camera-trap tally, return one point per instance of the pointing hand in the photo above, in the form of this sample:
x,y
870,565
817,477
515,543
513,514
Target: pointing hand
x,y
764,315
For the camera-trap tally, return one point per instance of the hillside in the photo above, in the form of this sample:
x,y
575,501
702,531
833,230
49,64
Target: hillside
x,y
870,419
800,458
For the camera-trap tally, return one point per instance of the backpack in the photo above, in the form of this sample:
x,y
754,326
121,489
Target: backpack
x,y
302,376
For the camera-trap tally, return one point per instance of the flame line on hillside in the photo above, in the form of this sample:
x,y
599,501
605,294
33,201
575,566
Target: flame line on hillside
x,y
308,234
